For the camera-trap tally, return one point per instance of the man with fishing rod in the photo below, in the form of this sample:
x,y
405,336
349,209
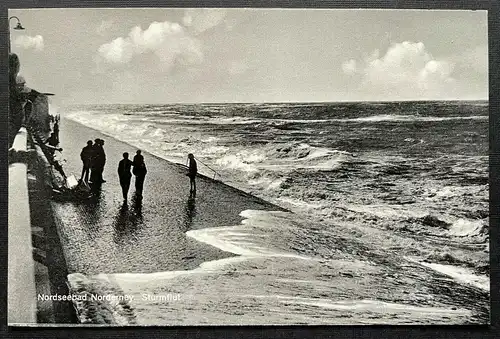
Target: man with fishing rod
x,y
193,171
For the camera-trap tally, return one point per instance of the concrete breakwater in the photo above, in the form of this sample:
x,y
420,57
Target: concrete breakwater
x,y
36,264
21,278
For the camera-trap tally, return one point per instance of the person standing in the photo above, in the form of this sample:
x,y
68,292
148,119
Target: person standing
x,y
86,156
192,171
97,162
56,130
103,159
124,174
139,172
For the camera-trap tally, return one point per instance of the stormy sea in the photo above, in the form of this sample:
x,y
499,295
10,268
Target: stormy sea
x,y
379,191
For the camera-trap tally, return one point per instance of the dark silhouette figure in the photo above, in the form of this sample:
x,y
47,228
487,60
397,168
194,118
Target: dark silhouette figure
x,y
139,172
121,223
51,145
52,140
86,156
126,223
138,207
103,159
94,167
56,131
192,171
98,162
47,149
190,210
124,174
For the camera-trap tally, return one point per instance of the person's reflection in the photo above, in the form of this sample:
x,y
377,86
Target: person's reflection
x,y
121,221
190,210
90,213
127,221
137,204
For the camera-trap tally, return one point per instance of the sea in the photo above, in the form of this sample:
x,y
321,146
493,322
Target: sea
x,y
403,180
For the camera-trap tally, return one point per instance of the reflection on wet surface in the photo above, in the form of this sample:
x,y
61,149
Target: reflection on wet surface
x,y
90,212
190,212
127,221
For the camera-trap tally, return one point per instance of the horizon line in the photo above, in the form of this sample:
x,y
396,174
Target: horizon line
x,y
282,102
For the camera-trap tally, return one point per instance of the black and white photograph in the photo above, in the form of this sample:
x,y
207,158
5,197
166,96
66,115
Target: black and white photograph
x,y
248,166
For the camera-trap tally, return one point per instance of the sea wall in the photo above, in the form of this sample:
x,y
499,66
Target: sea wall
x,y
30,188
44,218
21,291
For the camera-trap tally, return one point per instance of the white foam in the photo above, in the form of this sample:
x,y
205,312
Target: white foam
x,y
132,279
301,204
195,120
466,227
462,275
395,117
272,158
232,161
268,183
388,211
243,239
378,118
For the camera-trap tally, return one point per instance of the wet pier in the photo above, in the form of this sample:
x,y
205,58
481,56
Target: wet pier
x,y
105,235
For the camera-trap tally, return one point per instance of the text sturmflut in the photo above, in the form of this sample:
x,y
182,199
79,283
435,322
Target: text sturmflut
x,y
107,297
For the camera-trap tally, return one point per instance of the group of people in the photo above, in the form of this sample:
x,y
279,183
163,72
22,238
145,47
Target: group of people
x,y
93,158
139,170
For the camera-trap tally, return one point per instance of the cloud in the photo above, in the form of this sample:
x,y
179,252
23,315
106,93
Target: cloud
x,y
119,50
104,26
169,42
407,70
201,20
27,42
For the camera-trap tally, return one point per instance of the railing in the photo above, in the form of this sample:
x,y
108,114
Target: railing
x,y
21,290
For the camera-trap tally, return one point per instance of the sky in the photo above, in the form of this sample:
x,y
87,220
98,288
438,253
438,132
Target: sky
x,y
165,55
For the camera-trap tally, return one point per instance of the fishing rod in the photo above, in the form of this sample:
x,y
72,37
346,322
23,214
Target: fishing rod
x,y
215,172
